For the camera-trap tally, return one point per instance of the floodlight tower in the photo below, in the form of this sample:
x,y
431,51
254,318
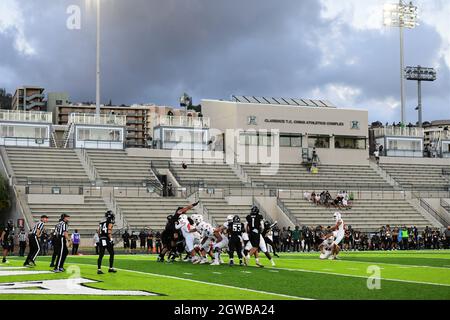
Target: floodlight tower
x,y
420,74
402,16
97,94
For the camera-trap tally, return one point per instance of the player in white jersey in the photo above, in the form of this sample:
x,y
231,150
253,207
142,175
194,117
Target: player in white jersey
x,y
326,248
338,234
221,236
207,234
188,231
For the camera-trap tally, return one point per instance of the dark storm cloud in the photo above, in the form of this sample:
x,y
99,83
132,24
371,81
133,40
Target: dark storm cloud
x,y
155,50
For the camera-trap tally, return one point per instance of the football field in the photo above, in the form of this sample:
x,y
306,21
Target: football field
x,y
356,276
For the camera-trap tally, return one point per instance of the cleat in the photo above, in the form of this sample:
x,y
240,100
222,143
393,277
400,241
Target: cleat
x,y
56,271
259,265
273,263
112,270
100,272
215,263
52,265
204,261
231,263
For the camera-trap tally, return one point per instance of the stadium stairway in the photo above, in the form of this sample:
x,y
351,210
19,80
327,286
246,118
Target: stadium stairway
x,y
84,217
43,165
330,177
418,176
365,215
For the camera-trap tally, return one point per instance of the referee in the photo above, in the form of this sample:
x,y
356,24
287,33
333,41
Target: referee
x,y
62,237
33,238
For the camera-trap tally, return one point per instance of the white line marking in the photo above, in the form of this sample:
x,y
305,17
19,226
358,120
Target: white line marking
x,y
364,277
21,273
204,282
188,274
217,273
274,271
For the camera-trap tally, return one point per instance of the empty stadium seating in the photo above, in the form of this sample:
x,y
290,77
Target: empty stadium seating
x,y
333,177
417,176
212,175
116,167
365,215
219,209
46,164
146,212
84,217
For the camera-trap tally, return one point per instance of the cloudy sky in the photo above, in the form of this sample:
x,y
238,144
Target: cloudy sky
x,y
154,50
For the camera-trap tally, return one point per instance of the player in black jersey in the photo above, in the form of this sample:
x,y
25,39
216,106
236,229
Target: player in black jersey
x,y
235,230
254,220
106,241
267,228
7,239
170,237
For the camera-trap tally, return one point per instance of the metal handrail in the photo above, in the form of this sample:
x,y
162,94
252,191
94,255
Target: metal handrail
x,y
288,212
434,213
445,205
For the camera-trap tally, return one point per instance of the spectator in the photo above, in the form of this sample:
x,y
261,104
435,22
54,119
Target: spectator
x,y
170,190
276,237
96,242
447,237
158,242
22,242
184,165
376,154
380,149
150,237
133,239
126,241
143,240
307,196
44,243
284,239
296,234
76,238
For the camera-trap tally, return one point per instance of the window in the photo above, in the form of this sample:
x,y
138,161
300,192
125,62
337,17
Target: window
x,y
321,142
255,139
59,102
99,135
406,145
7,131
350,143
290,140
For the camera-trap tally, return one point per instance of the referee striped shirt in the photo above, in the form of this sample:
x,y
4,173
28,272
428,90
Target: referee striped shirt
x,y
61,227
38,226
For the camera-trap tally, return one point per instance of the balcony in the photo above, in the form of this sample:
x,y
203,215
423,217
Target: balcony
x,y
184,122
439,135
26,116
92,119
410,132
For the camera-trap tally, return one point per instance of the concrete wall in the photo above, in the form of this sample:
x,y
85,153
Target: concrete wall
x,y
270,206
305,121
178,155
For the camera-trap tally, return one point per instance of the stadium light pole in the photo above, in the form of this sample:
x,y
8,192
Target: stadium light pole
x,y
97,95
402,16
420,74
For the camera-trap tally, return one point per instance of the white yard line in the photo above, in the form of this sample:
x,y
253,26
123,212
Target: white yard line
x,y
364,277
207,283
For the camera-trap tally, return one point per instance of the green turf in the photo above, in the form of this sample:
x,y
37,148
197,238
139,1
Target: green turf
x,y
404,275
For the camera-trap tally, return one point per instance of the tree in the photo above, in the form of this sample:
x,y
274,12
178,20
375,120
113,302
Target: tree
x,y
5,201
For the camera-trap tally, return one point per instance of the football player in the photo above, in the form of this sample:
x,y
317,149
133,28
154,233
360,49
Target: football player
x,y
326,247
220,233
106,241
235,230
7,239
171,236
254,220
207,234
265,233
338,234
188,231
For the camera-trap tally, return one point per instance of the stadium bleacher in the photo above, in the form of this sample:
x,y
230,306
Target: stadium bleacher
x,y
116,167
365,215
84,217
146,212
46,164
219,209
418,176
212,175
333,177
